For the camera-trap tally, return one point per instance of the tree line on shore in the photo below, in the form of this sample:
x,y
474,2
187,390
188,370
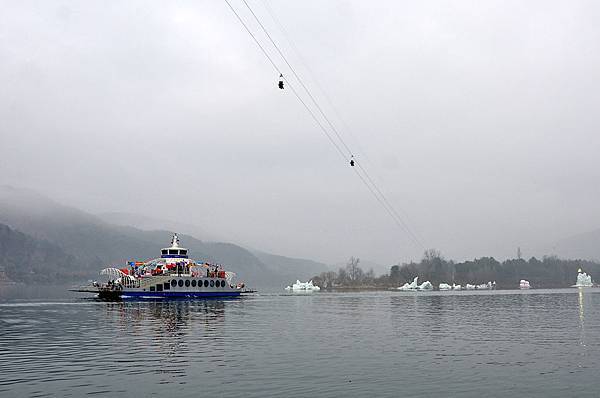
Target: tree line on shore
x,y
548,272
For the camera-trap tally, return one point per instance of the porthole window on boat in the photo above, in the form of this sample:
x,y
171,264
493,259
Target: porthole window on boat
x,y
205,283
173,283
193,283
180,283
212,283
187,283
222,283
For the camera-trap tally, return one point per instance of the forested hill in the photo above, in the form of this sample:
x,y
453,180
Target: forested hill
x,y
24,258
548,272
85,244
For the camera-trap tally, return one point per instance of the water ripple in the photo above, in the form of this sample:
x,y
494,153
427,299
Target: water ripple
x,y
374,343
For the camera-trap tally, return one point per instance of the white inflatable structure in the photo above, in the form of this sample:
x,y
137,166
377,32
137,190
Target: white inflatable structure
x,y
414,285
484,286
303,286
444,286
410,286
583,279
523,284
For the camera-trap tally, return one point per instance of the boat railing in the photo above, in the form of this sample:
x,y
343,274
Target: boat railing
x,y
128,281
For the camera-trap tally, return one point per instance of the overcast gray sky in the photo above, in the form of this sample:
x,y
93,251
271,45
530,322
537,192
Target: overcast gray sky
x,y
478,118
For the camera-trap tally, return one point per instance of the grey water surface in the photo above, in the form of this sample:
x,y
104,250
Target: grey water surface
x,y
540,343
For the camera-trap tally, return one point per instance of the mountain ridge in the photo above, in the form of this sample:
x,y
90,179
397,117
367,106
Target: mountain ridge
x,y
95,243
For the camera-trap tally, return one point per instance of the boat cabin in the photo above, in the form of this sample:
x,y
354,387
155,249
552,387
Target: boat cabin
x,y
174,251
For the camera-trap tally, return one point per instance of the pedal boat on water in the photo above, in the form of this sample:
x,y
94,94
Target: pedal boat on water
x,y
173,275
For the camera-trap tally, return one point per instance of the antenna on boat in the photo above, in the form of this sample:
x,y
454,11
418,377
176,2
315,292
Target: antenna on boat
x,y
175,240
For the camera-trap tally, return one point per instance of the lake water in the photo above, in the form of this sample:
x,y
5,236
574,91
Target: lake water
x,y
384,344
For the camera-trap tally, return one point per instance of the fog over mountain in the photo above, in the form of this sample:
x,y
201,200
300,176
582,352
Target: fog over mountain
x,y
152,223
477,119
584,245
41,236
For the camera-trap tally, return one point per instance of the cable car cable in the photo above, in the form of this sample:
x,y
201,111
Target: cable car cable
x,y
352,161
340,151
375,192
298,78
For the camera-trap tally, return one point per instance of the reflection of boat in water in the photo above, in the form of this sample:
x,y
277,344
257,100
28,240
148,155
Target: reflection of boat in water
x,y
303,287
170,325
173,275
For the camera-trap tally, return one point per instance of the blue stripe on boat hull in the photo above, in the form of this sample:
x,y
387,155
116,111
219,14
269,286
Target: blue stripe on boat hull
x,y
134,294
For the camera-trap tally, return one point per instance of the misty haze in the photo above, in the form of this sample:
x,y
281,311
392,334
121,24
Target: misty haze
x,y
395,197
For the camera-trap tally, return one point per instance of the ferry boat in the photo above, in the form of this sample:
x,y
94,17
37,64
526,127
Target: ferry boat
x,y
173,275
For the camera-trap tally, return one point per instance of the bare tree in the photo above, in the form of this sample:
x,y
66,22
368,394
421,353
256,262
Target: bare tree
x,y
355,273
328,278
432,254
342,277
